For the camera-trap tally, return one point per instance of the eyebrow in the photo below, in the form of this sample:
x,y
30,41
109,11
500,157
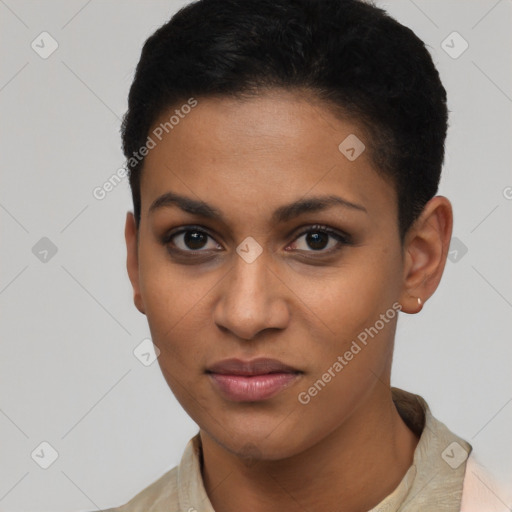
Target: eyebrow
x,y
282,214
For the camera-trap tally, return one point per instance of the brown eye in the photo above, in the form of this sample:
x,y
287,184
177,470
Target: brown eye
x,y
317,240
320,239
191,239
194,239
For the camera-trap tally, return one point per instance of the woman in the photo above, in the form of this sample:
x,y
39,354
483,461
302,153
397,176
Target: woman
x,y
284,162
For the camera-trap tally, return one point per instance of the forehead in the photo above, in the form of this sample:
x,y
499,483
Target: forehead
x,y
260,152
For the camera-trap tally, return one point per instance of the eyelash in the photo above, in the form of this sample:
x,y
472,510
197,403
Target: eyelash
x,y
343,239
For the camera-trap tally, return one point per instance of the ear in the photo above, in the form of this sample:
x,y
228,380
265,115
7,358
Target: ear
x,y
426,248
132,259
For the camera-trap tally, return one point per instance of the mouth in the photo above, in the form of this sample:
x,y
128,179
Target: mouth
x,y
251,381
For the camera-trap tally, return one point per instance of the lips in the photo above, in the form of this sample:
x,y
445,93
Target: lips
x,y
260,366
251,381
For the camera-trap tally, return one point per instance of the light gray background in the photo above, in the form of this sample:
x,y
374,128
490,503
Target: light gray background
x,y
68,373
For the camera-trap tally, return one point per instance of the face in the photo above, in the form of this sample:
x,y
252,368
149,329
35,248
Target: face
x,y
275,245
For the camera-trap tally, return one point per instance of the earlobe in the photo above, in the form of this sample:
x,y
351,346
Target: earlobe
x,y
426,249
132,259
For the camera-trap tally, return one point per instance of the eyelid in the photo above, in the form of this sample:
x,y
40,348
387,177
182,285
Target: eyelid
x,y
345,237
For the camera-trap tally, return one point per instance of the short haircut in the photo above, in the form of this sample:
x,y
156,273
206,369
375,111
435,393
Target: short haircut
x,y
362,63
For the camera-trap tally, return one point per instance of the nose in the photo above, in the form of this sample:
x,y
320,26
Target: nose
x,y
252,299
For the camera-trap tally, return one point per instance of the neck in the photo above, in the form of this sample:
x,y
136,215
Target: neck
x,y
357,465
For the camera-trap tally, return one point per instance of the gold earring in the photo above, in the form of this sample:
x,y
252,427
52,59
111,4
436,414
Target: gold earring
x,y
419,302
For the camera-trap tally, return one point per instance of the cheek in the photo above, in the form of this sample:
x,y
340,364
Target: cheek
x,y
358,295
347,366
170,292
359,308
173,307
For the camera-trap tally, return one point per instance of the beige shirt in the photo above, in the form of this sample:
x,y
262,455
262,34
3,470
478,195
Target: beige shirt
x,y
433,483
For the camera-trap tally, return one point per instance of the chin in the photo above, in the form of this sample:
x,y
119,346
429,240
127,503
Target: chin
x,y
256,444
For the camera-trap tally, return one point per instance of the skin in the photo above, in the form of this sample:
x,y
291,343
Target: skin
x,y
293,303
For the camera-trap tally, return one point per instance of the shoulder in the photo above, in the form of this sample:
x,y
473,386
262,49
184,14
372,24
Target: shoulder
x,y
172,491
482,492
161,495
